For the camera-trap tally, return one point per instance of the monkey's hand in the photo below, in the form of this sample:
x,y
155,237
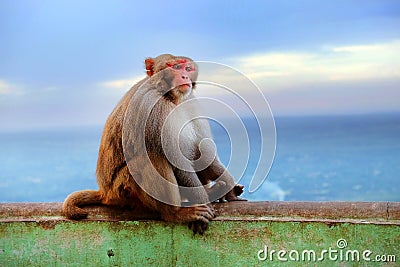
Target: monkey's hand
x,y
198,227
201,225
198,217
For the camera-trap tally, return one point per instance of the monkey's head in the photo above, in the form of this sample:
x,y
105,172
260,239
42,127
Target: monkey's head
x,y
177,73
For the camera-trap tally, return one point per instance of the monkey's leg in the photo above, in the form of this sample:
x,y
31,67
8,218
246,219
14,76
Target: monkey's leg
x,y
194,191
198,215
191,187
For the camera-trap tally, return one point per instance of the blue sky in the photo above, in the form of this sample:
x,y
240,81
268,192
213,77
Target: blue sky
x,y
69,62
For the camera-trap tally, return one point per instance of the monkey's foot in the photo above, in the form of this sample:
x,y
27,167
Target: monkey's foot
x,y
238,189
234,198
234,194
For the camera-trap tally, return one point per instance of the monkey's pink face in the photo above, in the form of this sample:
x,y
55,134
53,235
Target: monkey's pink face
x,y
185,74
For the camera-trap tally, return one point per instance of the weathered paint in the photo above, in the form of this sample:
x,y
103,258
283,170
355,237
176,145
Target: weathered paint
x,y
50,240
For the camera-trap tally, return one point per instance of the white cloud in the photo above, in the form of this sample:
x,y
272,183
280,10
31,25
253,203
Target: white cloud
x,y
361,48
335,63
33,180
122,84
7,88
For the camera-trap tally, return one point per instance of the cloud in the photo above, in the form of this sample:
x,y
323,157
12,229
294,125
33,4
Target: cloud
x,y
121,85
7,88
329,63
4,88
362,48
332,79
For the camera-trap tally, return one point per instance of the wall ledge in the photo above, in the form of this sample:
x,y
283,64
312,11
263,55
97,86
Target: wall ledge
x,y
352,212
243,234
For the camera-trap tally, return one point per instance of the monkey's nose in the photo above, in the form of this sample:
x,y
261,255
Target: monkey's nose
x,y
185,77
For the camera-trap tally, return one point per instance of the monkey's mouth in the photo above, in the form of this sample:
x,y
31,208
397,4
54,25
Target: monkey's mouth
x,y
184,88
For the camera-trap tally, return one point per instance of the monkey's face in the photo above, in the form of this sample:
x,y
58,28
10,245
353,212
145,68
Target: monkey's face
x,y
174,76
183,74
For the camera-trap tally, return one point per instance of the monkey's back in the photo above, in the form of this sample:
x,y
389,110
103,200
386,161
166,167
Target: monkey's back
x,y
111,161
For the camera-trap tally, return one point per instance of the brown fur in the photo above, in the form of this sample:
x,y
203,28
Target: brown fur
x,y
118,187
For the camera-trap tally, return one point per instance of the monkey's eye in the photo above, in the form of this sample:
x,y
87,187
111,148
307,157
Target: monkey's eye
x,y
176,66
188,68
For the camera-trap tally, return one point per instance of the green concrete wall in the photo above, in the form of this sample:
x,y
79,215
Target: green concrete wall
x,y
229,241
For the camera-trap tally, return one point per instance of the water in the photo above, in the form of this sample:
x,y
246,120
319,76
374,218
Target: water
x,y
336,158
352,158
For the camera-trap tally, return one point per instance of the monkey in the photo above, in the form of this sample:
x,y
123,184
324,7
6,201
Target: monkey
x,y
137,166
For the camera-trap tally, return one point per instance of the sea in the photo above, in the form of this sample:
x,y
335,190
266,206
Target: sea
x,y
317,158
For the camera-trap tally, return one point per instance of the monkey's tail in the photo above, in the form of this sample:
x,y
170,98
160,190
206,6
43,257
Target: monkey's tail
x,y
71,204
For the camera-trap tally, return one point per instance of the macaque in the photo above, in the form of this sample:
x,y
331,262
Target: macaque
x,y
152,152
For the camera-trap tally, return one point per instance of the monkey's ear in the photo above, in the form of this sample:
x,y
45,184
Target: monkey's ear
x,y
149,62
